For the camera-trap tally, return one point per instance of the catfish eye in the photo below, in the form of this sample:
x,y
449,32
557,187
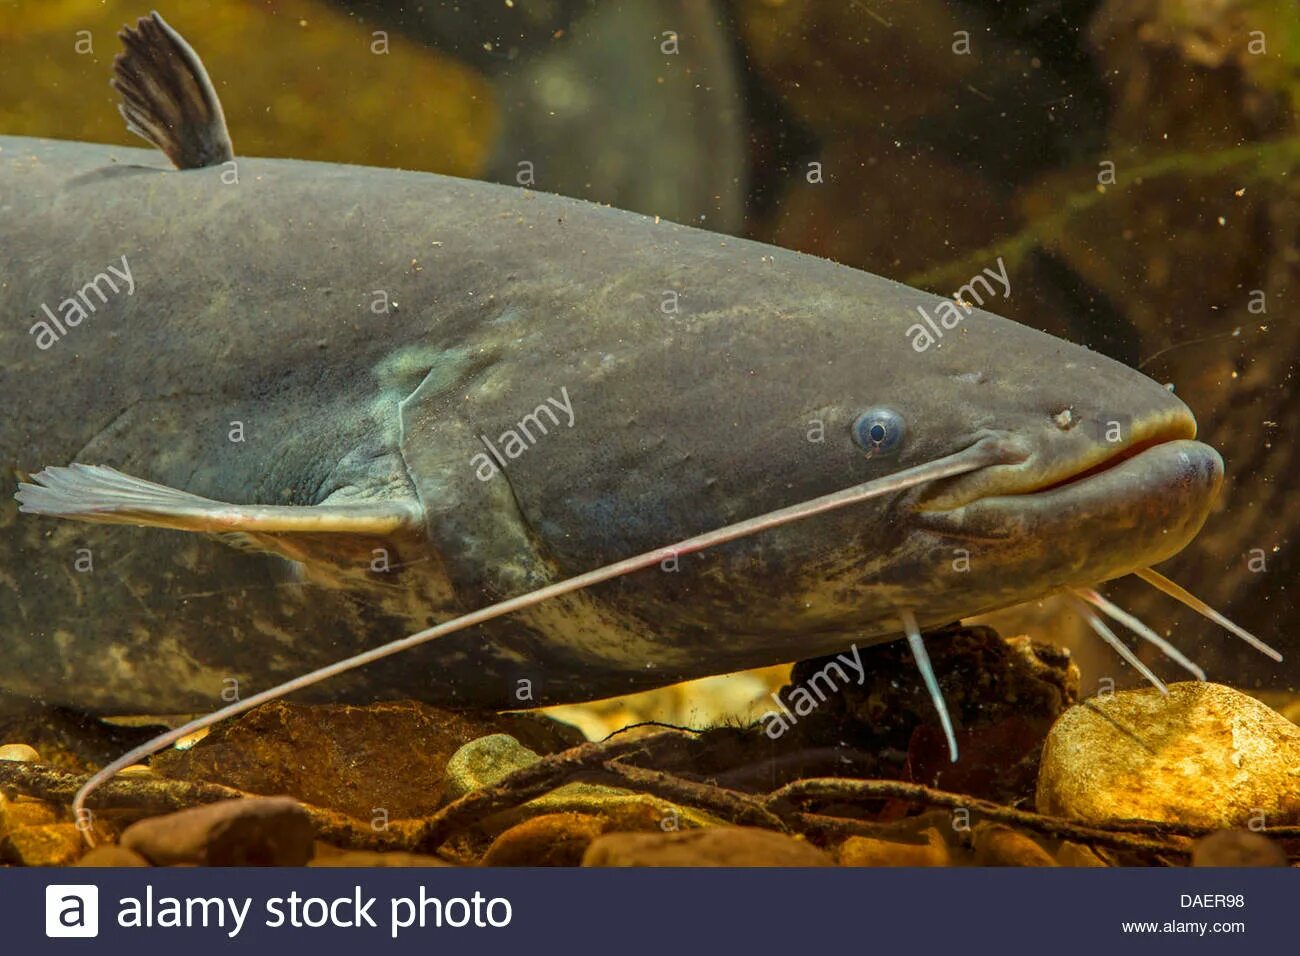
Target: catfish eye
x,y
879,431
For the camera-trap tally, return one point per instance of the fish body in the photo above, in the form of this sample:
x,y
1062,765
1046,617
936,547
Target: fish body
x,y
320,333
379,399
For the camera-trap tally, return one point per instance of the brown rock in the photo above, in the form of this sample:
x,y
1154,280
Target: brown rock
x,y
110,854
262,831
1206,755
385,757
999,845
632,816
21,812
869,851
1076,854
714,846
48,844
556,839
1237,848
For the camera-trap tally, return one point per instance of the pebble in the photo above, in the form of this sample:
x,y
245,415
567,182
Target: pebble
x,y
485,762
1237,848
1076,854
19,752
260,831
18,812
870,851
713,846
1206,755
997,844
553,839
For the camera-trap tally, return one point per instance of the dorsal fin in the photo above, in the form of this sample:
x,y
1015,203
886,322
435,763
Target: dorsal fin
x,y
167,97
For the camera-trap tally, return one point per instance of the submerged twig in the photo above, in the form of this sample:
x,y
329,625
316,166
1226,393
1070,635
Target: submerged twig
x,y
731,805
150,794
528,783
1142,835
147,793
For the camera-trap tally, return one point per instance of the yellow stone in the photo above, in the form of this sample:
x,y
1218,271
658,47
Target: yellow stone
x,y
1206,755
19,752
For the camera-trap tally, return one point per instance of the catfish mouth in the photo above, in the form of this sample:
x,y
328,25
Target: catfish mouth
x,y
1160,450
1106,464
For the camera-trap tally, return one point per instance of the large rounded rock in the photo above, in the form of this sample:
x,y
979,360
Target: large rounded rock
x,y
1206,755
1076,854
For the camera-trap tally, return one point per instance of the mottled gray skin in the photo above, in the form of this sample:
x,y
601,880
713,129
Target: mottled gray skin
x,y
252,303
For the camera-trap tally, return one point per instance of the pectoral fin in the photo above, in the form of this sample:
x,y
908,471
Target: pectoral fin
x,y
336,534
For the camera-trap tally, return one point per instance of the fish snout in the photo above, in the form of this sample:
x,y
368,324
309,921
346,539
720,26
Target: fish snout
x,y
1098,496
1060,449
